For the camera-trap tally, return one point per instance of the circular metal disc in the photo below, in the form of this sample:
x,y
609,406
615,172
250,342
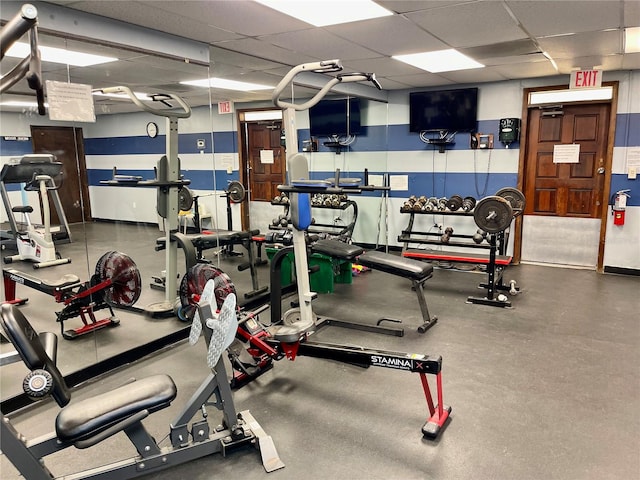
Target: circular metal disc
x,y
493,214
236,191
193,283
185,199
515,198
124,275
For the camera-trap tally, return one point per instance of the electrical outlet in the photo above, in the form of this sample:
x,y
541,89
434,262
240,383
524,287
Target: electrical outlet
x,y
485,141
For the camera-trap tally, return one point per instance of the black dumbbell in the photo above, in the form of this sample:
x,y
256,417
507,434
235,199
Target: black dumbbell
x,y
447,235
479,236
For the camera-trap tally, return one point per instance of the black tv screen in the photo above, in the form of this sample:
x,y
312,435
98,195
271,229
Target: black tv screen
x,y
450,110
335,117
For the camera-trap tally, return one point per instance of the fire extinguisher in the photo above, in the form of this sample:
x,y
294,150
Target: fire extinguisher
x,y
619,206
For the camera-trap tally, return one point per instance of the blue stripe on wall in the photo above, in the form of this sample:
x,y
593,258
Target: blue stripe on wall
x,y
627,130
225,142
622,182
200,179
441,184
14,147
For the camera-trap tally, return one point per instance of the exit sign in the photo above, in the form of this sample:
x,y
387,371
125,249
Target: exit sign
x,y
586,79
224,107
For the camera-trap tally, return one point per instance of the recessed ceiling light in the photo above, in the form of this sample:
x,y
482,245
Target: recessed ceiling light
x,y
59,55
439,61
226,84
632,40
321,13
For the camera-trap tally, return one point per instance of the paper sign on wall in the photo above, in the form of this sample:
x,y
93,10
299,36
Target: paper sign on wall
x,y
70,102
399,182
266,156
566,153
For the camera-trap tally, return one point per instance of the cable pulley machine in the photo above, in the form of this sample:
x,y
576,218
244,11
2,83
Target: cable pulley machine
x,y
168,182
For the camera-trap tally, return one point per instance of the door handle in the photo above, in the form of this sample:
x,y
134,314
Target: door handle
x,y
601,170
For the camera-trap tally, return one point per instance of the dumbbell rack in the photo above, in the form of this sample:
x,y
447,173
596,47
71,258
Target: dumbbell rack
x,y
495,261
343,232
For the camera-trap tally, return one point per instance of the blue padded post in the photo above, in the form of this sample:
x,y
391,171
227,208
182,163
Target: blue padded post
x,y
300,211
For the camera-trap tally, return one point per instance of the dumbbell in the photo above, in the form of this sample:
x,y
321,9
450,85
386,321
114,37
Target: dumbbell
x,y
454,203
284,198
468,204
479,236
447,235
442,204
277,199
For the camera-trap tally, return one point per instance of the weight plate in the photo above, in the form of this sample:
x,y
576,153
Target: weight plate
x,y
124,275
454,203
236,191
185,199
515,198
193,283
493,214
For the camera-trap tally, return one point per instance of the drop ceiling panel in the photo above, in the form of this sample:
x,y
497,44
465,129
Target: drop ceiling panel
x,y
381,66
420,80
401,36
631,61
243,17
405,6
526,70
542,18
584,44
470,24
473,76
245,61
267,51
320,44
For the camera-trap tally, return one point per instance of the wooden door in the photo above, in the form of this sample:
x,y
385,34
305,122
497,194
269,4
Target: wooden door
x,y
265,174
567,189
67,144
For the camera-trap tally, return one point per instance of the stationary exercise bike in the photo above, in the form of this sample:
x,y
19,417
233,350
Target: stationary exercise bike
x,y
88,422
33,244
115,283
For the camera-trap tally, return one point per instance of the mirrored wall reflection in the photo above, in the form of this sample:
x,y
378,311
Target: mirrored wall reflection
x,y
111,195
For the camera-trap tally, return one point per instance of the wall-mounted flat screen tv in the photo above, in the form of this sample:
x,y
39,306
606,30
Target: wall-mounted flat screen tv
x,y
444,110
335,117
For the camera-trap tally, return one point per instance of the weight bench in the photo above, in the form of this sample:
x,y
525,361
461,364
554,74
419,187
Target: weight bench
x,y
416,271
194,244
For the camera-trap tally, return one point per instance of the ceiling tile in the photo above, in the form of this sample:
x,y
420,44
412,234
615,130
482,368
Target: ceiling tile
x,y
401,36
583,44
319,43
268,51
469,24
541,17
405,6
381,66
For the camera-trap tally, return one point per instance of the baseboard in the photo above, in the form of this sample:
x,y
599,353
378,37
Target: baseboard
x,y
622,271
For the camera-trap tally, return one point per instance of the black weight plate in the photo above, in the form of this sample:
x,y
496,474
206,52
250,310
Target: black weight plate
x,y
493,214
454,203
236,191
185,199
515,198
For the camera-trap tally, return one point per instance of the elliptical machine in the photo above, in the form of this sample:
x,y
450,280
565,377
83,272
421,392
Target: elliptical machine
x,y
33,244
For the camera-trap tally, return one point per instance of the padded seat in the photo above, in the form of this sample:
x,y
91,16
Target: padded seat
x,y
396,265
89,417
335,248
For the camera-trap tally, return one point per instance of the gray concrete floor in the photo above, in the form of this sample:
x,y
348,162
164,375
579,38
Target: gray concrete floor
x,y
549,389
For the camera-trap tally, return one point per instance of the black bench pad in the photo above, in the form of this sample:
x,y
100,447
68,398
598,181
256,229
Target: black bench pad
x,y
213,239
396,265
336,248
93,415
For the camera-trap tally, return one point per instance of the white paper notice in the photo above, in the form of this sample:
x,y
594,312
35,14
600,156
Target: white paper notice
x,y
399,182
633,157
566,153
70,102
377,180
266,156
225,161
